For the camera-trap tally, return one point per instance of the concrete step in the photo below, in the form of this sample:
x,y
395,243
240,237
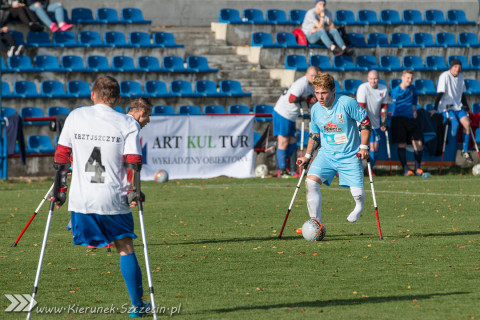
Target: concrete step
x,y
263,90
245,74
225,59
209,50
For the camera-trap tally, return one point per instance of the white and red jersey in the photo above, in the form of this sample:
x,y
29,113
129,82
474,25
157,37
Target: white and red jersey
x,y
374,99
300,89
99,137
453,88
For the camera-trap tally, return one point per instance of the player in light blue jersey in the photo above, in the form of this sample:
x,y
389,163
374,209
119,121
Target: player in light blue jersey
x,y
334,120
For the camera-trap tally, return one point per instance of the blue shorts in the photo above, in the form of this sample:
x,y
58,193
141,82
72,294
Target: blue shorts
x,y
350,170
376,135
282,126
455,114
100,230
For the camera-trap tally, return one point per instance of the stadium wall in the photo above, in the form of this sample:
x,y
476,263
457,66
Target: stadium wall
x,y
203,12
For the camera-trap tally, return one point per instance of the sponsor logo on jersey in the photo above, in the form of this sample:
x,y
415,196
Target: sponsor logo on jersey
x,y
331,127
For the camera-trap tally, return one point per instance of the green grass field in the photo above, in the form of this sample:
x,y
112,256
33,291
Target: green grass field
x,y
215,252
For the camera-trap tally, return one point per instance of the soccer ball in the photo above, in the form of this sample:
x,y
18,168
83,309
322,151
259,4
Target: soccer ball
x,y
312,230
476,170
161,176
261,171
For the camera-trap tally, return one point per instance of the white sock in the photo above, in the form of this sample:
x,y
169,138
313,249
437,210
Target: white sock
x,y
359,197
314,199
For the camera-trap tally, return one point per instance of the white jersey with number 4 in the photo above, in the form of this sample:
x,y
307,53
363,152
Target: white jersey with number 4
x,y
99,137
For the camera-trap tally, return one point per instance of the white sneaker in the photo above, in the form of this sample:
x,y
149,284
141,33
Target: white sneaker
x,y
10,51
19,50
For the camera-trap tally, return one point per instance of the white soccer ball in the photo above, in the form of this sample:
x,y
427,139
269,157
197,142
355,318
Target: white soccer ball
x,y
312,230
161,176
261,171
476,170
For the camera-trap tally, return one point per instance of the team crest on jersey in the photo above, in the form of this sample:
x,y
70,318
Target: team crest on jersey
x,y
331,127
340,117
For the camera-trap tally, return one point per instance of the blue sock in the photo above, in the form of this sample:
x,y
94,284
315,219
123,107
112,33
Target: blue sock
x,y
282,158
466,141
291,148
373,157
133,278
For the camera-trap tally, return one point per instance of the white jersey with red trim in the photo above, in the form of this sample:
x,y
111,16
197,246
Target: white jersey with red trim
x,y
300,89
374,99
100,137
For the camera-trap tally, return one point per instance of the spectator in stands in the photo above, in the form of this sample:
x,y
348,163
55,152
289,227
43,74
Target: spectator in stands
x,y
373,97
7,43
451,97
404,125
141,110
285,113
318,26
18,10
43,7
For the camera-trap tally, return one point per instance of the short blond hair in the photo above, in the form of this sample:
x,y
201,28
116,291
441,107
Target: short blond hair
x,y
324,80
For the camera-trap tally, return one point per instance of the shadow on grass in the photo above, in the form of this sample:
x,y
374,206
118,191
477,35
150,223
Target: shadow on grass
x,y
447,234
332,303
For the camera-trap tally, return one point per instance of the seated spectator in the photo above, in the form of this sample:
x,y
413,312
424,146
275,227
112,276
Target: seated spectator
x,y
318,26
43,7
16,10
7,43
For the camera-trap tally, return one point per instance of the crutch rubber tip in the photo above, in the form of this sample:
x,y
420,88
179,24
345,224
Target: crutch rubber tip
x,y
14,244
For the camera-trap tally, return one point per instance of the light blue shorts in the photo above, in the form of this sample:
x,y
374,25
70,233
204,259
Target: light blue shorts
x,y
376,135
282,126
100,230
350,170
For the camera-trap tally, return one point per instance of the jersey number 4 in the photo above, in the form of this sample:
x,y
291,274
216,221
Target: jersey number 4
x,y
94,164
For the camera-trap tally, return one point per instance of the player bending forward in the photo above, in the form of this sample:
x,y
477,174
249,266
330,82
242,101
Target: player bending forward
x,y
334,121
103,142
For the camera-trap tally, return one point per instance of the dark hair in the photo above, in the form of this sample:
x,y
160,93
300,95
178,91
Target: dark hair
x,y
106,89
140,104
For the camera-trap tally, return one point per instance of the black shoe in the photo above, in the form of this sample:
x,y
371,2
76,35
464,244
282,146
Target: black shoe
x,y
35,26
337,51
348,51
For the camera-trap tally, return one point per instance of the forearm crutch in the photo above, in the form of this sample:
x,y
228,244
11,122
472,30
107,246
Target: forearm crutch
x,y
388,151
444,142
374,198
474,142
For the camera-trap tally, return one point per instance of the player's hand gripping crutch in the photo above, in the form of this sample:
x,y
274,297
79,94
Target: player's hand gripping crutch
x,y
374,198
444,140
136,188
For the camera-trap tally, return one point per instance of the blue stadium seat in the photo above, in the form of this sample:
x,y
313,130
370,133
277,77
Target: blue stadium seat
x,y
119,109
98,64
350,86
357,39
412,16
400,39
296,62
393,83
463,61
296,16
306,134
53,111
458,17
435,16
174,64
238,109
475,62
182,88
321,61
424,86
163,110
472,86
73,63
423,39
390,16
39,143
83,15
213,109
107,15
199,64
477,135
367,62
39,39
32,112
413,63
17,37
65,39
229,15
123,64
262,39
131,89
263,109
390,63
232,88
90,39
3,66
254,16
149,64
47,63
344,63
287,40
6,92
368,17
207,88
157,89
436,63
78,89
20,64
446,39
345,17
468,39
476,109
53,89
189,110
116,39
276,16
165,40
8,111
140,39
429,106
377,39
25,89
133,15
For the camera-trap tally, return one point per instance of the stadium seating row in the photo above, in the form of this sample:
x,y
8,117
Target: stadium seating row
x,y
129,89
374,39
108,15
347,17
136,39
97,63
384,63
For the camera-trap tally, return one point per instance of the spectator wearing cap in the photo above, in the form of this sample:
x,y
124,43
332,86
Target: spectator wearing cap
x,y
318,28
452,103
